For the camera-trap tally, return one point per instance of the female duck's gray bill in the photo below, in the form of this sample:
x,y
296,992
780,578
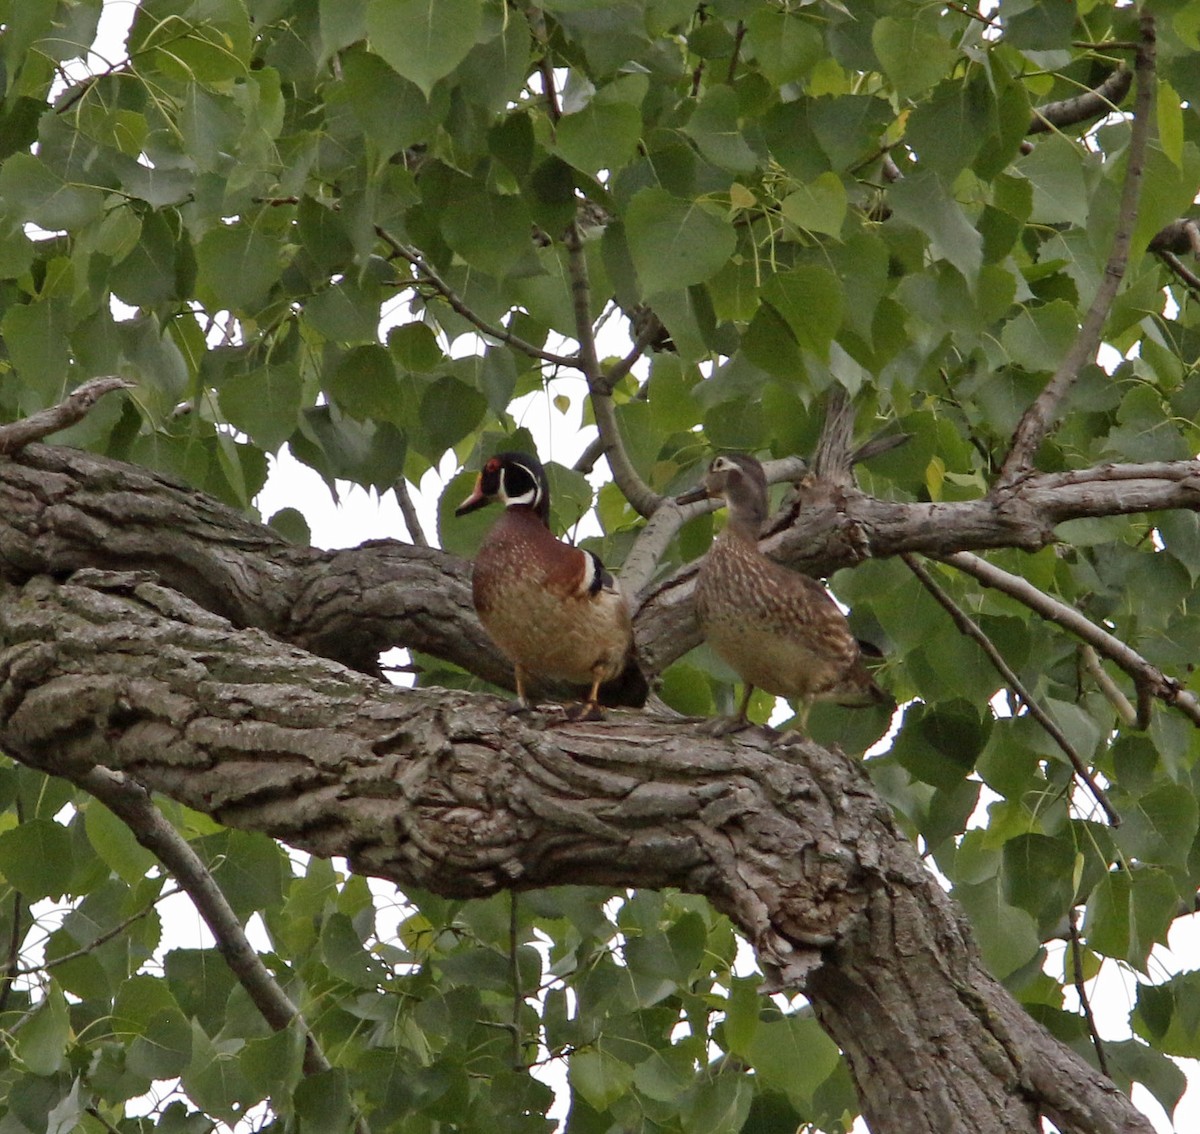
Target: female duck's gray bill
x,y
693,496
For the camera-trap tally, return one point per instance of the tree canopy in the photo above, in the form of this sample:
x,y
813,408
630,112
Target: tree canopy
x,y
935,264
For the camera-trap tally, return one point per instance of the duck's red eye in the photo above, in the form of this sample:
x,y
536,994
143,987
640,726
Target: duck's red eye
x,y
493,465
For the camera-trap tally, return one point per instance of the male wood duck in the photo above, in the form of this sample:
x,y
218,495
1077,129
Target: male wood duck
x,y
551,608
778,629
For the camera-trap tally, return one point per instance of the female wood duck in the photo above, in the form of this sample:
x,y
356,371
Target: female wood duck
x,y
779,630
551,608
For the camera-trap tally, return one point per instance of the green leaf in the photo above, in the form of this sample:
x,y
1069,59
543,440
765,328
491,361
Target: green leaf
x,y
162,1038
599,1078
340,448
1055,169
819,206
1008,937
264,403
715,129
324,1100
786,45
43,1039
940,743
1038,876
793,1056
603,135
345,957
450,409
35,193
913,55
238,266
213,1077
811,302
1129,912
415,347
1040,27
423,40
364,382
392,112
35,335
1159,827
675,243
923,201
37,858
113,841
490,231
1133,1062
1038,337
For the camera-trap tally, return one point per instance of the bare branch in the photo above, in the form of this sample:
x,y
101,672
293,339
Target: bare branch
x,y
1146,676
74,407
1106,685
1091,104
1081,991
968,626
1040,416
426,272
644,500
408,510
131,803
1181,270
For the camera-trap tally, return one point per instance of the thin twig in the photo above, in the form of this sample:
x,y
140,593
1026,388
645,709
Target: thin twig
x,y
408,510
1145,676
1081,992
501,334
642,498
1106,685
738,36
968,626
1035,424
514,972
130,802
100,939
1102,100
16,936
1177,266
74,407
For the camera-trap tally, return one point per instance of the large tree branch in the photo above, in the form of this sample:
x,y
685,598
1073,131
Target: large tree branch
x,y
61,509
446,791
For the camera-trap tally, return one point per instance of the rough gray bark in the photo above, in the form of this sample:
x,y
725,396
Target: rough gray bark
x,y
61,510
444,790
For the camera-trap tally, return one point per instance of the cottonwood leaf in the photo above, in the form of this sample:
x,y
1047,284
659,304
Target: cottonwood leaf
x,y
423,40
675,243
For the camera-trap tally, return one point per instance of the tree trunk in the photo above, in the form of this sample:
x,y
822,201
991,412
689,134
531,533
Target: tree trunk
x,y
444,790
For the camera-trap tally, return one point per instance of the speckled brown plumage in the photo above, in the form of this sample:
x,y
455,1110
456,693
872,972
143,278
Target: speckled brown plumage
x,y
779,630
551,608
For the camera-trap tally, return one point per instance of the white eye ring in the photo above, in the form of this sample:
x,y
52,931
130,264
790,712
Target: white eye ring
x,y
720,464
